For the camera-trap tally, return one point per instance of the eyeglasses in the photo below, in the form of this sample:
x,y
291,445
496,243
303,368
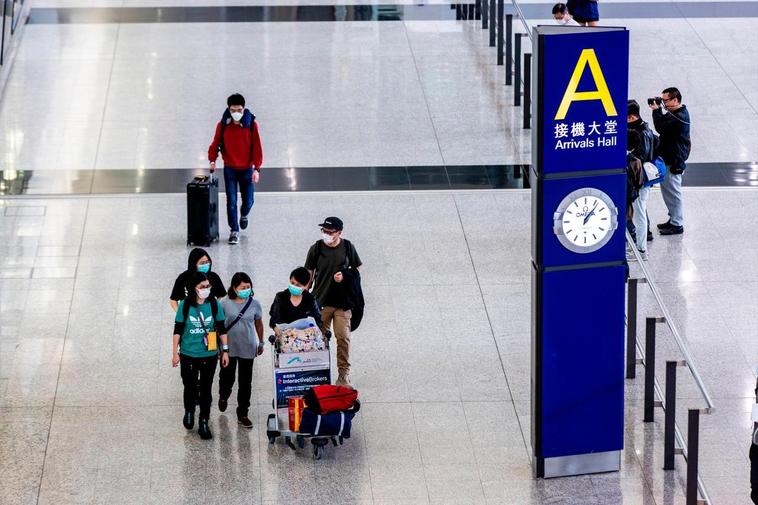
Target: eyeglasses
x,y
329,232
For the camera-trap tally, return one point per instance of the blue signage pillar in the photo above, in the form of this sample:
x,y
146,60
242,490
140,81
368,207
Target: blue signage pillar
x,y
578,180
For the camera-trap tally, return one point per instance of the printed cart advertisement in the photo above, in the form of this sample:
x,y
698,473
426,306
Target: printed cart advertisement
x,y
296,383
311,359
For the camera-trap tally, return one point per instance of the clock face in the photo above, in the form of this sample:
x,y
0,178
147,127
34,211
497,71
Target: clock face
x,y
585,220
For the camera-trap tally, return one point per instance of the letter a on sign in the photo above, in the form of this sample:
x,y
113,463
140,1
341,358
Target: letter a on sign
x,y
588,57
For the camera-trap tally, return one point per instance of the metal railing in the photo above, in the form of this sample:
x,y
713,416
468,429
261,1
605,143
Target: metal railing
x,y
520,15
509,46
674,442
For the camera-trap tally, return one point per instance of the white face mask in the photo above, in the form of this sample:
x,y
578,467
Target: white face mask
x,y
204,293
328,239
236,116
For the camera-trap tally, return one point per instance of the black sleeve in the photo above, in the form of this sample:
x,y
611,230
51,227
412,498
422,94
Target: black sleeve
x,y
178,328
220,327
274,313
311,261
664,124
177,293
217,287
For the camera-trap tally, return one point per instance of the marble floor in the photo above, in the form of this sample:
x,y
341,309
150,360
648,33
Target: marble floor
x,y
90,408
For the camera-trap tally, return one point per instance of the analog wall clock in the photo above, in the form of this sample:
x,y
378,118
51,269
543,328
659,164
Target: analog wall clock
x,y
585,220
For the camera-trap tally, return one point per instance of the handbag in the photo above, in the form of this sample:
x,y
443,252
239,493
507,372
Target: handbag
x,y
655,172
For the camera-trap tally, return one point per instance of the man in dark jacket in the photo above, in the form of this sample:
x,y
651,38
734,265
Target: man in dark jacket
x,y
239,142
673,125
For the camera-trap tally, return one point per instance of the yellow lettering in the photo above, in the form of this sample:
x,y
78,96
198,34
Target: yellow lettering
x,y
588,57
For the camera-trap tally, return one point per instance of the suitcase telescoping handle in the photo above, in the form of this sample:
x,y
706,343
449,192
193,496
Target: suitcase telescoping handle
x,y
203,178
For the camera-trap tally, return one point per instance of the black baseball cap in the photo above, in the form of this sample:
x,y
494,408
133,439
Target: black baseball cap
x,y
332,223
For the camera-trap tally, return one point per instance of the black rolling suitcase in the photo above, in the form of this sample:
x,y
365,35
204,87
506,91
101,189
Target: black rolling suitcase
x,y
202,210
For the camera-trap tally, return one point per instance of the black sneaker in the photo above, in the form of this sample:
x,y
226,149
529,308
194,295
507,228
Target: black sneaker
x,y
189,420
222,405
673,230
204,431
650,236
234,237
245,422
243,222
665,225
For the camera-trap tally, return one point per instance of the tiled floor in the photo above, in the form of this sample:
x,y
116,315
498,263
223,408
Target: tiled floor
x,y
90,408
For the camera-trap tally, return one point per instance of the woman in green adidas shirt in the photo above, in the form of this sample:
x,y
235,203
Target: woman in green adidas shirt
x,y
199,320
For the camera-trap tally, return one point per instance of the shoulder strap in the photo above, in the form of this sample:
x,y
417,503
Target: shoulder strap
x,y
252,135
241,314
319,245
221,138
349,253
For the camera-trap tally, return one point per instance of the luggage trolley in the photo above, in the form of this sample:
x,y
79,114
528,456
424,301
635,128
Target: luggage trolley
x,y
294,374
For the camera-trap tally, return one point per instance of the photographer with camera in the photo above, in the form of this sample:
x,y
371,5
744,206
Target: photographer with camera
x,y
672,122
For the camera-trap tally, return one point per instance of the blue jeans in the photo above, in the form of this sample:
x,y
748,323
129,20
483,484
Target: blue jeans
x,y
243,179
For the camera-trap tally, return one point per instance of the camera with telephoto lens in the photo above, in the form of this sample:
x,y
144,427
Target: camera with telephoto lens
x,y
657,100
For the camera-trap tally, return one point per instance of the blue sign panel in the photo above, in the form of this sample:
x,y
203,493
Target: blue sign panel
x,y
583,361
578,249
584,98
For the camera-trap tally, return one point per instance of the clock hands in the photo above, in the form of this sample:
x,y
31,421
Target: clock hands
x,y
590,213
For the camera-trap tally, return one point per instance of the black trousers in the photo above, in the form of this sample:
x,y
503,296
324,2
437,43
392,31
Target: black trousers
x,y
244,388
197,376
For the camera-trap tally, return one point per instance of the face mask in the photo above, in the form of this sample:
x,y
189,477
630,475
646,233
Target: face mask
x,y
563,21
204,293
236,116
295,290
204,268
328,239
245,293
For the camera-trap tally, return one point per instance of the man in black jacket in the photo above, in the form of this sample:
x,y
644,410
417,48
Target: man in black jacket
x,y
673,125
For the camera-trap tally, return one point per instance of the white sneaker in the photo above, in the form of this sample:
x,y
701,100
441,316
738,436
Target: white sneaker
x,y
630,256
643,255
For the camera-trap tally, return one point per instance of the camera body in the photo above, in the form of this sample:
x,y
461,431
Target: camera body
x,y
657,100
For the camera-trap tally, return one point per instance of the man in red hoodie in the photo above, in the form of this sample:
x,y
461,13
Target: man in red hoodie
x,y
238,141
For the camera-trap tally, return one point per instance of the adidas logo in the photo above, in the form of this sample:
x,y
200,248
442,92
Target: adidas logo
x,y
198,327
196,320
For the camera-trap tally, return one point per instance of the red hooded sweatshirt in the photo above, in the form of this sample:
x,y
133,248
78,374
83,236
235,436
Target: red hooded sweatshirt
x,y
236,150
